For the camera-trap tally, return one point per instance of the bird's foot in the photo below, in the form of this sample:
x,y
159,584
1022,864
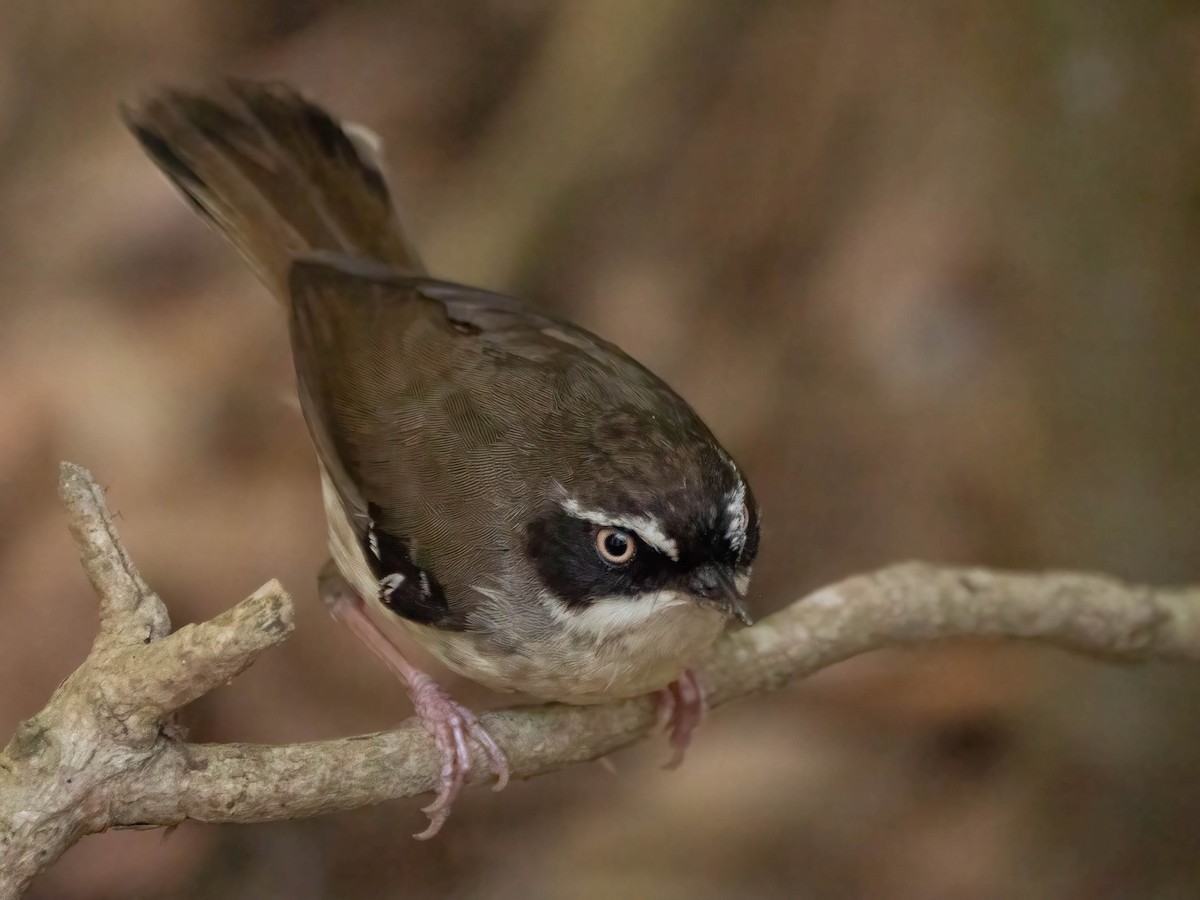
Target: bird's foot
x,y
450,724
682,706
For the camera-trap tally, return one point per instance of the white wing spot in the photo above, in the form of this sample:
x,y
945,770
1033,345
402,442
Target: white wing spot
x,y
424,585
389,584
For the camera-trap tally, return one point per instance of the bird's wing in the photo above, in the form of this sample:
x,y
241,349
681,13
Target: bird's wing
x,y
428,403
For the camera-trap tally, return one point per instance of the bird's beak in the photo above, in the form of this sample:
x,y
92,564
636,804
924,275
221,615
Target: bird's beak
x,y
714,586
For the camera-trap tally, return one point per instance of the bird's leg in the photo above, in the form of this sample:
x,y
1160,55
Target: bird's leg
x,y
682,706
447,722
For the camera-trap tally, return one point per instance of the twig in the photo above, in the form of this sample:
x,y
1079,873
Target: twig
x,y
101,754
66,767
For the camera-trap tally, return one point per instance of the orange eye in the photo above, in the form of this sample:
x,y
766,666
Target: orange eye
x,y
615,546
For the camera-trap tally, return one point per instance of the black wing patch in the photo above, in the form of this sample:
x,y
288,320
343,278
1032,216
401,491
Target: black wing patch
x,y
404,587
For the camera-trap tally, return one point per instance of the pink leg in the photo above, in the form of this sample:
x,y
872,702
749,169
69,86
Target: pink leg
x,y
682,706
447,721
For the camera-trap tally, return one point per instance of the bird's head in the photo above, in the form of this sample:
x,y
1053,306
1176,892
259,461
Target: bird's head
x,y
654,508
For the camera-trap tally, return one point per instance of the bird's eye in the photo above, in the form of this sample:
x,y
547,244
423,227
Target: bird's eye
x,y
615,546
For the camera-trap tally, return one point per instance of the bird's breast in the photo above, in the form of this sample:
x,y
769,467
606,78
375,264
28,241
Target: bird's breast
x,y
605,652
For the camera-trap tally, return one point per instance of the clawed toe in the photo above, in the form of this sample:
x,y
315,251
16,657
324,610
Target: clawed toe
x,y
682,706
450,724
446,721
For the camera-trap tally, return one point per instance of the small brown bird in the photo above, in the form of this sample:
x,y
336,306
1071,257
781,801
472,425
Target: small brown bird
x,y
531,505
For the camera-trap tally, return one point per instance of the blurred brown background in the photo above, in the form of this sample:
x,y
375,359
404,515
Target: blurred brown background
x,y
931,271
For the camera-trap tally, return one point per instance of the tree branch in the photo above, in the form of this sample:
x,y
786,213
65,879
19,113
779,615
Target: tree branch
x,y
101,754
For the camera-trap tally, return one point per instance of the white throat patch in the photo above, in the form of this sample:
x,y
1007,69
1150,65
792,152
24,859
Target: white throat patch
x,y
606,617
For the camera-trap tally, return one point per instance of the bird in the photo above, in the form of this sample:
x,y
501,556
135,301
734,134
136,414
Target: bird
x,y
518,496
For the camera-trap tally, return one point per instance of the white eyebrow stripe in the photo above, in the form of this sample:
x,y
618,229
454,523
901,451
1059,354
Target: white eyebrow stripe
x,y
647,528
373,539
739,516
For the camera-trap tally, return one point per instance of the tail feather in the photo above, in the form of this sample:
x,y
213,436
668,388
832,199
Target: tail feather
x,y
276,174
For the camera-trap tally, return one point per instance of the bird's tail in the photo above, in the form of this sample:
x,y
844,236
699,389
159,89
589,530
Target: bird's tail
x,y
274,173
